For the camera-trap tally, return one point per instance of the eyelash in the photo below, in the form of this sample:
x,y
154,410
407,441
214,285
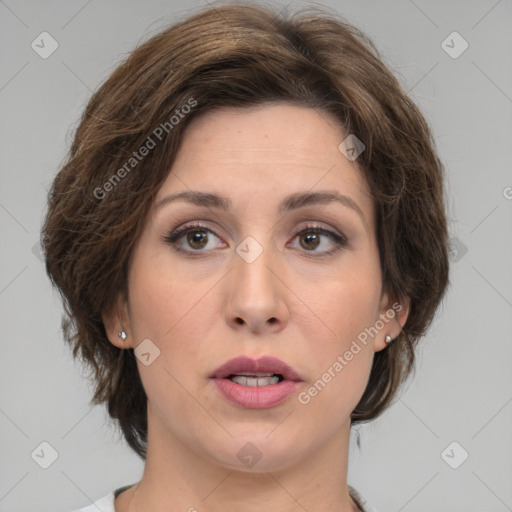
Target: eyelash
x,y
173,237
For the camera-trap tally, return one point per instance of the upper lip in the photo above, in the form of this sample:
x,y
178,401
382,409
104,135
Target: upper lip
x,y
247,365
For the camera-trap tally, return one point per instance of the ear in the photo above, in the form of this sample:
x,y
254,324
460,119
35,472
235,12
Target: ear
x,y
393,313
117,319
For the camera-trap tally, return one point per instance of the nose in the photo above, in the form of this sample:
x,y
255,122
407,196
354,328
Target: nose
x,y
256,296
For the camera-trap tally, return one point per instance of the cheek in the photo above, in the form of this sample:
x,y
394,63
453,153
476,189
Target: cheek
x,y
165,309
340,378
343,351
344,306
164,301
175,313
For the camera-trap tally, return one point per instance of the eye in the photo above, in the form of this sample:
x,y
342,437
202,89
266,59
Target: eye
x,y
195,236
310,238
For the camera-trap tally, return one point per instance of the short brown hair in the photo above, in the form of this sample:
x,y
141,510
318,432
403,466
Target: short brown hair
x,y
238,56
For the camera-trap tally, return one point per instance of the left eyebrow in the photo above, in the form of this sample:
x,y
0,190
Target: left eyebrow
x,y
298,200
289,203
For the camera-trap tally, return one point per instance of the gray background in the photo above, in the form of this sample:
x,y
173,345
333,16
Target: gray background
x,y
463,388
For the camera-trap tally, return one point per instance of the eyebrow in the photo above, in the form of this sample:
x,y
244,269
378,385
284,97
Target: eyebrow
x,y
289,203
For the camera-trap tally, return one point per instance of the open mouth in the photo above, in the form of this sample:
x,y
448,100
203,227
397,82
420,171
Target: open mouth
x,y
256,383
256,380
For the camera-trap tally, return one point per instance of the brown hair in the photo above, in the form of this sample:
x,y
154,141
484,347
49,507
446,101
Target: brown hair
x,y
238,56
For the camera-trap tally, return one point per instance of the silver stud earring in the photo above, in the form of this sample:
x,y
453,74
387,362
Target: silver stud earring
x,y
389,339
122,335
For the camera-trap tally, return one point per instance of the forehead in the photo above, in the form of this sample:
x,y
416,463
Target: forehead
x,y
270,150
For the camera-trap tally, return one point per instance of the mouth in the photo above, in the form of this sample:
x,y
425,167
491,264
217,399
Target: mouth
x,y
256,372
256,383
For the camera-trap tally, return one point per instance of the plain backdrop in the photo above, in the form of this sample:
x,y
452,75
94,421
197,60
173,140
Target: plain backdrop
x,y
446,443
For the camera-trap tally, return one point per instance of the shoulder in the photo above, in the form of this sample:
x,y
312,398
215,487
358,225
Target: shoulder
x,y
361,502
105,504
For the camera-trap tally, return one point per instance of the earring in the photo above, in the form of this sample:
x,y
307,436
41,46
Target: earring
x,y
122,335
389,339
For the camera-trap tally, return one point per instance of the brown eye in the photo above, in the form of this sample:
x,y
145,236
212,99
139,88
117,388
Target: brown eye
x,y
313,237
310,240
193,239
197,239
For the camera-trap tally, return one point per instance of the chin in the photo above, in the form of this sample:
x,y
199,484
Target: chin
x,y
257,451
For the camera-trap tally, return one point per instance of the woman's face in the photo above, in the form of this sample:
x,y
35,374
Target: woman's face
x,y
270,269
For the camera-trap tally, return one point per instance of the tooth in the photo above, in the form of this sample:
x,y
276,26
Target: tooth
x,y
238,379
254,382
253,374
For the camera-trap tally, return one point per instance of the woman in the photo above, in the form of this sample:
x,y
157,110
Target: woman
x,y
249,237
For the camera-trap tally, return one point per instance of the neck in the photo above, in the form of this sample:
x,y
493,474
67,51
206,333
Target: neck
x,y
177,478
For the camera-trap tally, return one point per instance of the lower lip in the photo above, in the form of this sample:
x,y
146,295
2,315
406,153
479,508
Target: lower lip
x,y
256,398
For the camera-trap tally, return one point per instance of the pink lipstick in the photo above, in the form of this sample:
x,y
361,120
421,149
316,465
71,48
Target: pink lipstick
x,y
256,383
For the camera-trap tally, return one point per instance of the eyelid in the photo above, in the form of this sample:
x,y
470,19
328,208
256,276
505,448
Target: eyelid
x,y
314,225
338,238
174,235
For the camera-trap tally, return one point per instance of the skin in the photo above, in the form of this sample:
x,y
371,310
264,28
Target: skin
x,y
294,302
